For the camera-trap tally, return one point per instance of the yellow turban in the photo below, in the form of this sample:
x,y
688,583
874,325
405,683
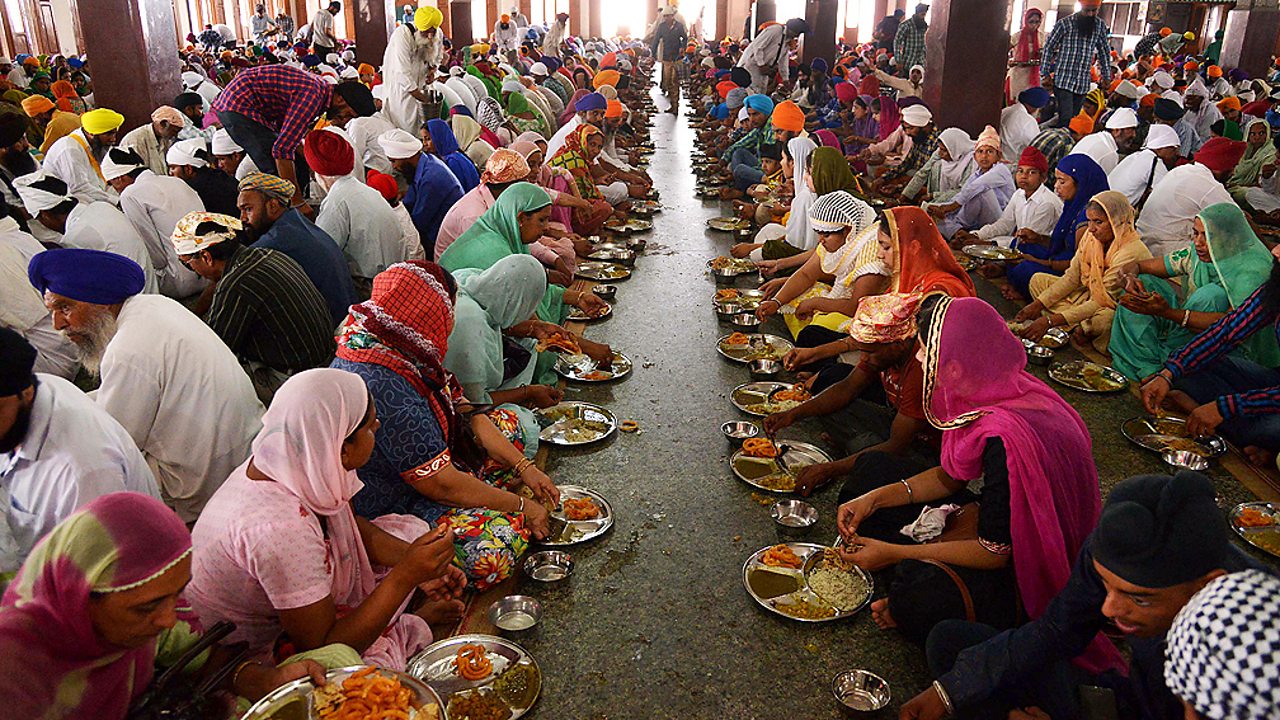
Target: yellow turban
x,y
36,104
102,120
427,18
606,77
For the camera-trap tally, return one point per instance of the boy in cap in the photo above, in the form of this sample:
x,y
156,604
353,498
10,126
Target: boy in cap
x,y
1032,212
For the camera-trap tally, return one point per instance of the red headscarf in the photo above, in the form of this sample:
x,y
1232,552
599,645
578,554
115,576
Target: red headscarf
x,y
1028,49
925,264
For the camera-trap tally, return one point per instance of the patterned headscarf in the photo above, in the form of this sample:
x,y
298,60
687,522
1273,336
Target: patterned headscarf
x,y
489,113
271,186
835,211
573,157
505,166
187,241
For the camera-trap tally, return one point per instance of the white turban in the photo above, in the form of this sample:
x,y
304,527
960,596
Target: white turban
x,y
1162,136
190,79
538,68
511,85
398,144
223,144
332,58
1162,79
40,191
191,151
1122,119
120,162
1127,89
917,116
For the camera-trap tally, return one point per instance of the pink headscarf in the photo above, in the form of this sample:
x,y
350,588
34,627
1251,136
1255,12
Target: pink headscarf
x,y
300,447
976,387
569,110
826,138
890,117
50,653
550,179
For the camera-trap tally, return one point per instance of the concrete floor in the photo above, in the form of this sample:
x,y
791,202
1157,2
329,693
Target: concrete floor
x,y
655,623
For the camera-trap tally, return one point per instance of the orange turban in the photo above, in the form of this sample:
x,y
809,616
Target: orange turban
x,y
36,104
365,69
1214,71
788,116
606,77
1149,100
1191,65
609,60
724,87
613,109
1166,32
1229,103
1081,124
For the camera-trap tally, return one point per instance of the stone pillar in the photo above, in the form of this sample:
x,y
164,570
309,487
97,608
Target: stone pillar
x,y
594,19
132,46
966,50
766,10
823,20
460,21
372,28
1251,38
722,20
526,7
490,18
650,14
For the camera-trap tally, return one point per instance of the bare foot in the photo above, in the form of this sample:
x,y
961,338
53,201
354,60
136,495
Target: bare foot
x,y
880,614
1009,293
1261,457
441,615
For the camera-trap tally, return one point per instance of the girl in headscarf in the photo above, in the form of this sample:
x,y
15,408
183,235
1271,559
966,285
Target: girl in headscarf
x,y
557,182
826,172
1083,299
944,173
431,457
775,241
1039,498
983,196
865,127
66,97
445,146
282,552
489,113
1259,153
1025,66
468,134
97,607
1222,267
1079,178
577,157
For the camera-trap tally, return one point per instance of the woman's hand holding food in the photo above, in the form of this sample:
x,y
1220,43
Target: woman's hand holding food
x,y
870,554
772,287
426,557
812,477
591,303
767,308
851,514
1149,304
596,351
1154,391
536,518
1204,420
1029,312
799,357
1036,329
778,421
742,250
542,396
543,489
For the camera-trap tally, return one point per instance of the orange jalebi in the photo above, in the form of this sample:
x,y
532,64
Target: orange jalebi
x,y
781,556
795,392
759,447
473,662
737,339
581,509
364,695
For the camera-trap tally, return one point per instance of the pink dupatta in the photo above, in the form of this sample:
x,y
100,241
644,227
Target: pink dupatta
x,y
976,387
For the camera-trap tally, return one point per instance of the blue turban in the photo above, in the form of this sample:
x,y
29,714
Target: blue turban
x,y
591,101
760,103
75,63
91,276
311,60
720,74
720,112
1036,97
553,64
818,64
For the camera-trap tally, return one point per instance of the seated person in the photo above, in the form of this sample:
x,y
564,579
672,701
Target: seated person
x,y
983,197
823,172
1224,265
1159,541
883,391
945,172
1039,496
280,553
917,123
578,158
1031,214
774,240
1083,300
742,158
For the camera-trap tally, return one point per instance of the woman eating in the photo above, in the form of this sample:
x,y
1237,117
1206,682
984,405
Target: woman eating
x,y
280,553
1000,552
440,141
432,459
1083,300
1225,263
578,158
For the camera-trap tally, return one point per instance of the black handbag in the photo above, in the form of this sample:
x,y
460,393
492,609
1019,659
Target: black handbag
x,y
174,695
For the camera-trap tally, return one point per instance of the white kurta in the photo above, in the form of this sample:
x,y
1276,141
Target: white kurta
x,y
505,39
101,226
1131,175
183,397
766,55
361,222
143,140
1166,220
1017,130
1266,197
1100,146
73,452
464,92
22,309
363,134
1038,213
550,42
409,236
68,160
404,69
154,204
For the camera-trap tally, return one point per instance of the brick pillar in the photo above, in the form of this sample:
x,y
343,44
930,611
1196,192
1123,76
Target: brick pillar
x,y
1250,40
460,22
722,20
372,28
133,50
490,18
820,41
966,50
766,10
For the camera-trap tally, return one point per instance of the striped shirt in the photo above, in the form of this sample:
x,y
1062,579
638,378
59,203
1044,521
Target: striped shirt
x,y
908,45
1055,143
1253,315
922,148
1069,55
280,97
266,310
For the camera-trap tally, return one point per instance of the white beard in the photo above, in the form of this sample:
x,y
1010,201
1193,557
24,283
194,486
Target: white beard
x,y
100,332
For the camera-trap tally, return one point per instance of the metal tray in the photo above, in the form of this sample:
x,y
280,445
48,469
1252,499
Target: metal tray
x,y
602,271
778,348
746,395
728,224
799,455
748,300
645,208
435,666
579,371
1151,434
632,225
1265,538
577,315
992,253
810,553
580,531
1068,374
301,691
738,266
553,433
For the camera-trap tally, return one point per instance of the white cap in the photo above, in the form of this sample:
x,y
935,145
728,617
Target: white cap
x,y
37,199
223,144
1127,89
191,79
191,151
1122,118
1162,136
538,68
120,162
5,60
332,58
917,116
1163,79
1173,95
349,73
742,113
399,144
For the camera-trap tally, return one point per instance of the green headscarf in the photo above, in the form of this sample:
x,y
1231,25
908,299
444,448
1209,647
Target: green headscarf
x,y
496,235
490,301
1250,166
830,172
1241,264
517,103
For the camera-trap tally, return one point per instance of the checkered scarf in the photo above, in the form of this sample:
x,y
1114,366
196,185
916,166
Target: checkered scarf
x,y
1223,652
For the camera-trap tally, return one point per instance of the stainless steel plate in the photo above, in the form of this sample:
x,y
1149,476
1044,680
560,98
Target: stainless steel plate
x,y
1073,375
994,253
436,666
602,271
580,531
759,346
738,266
1155,435
300,691
578,315
748,398
811,554
1265,537
585,369
757,471
562,424
728,224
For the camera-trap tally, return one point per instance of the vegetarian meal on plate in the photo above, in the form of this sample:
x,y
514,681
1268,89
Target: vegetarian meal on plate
x,y
759,447
559,341
581,509
738,265
369,695
782,556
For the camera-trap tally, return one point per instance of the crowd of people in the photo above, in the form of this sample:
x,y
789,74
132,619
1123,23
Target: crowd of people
x,y
308,295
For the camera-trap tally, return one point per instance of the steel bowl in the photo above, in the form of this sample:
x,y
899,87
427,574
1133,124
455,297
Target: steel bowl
x,y
619,257
1039,355
860,691
793,517
725,276
515,613
548,566
745,322
726,310
1186,460
739,430
764,369
637,244
1055,338
605,292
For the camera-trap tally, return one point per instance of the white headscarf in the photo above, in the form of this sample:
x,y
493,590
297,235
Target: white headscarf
x,y
799,232
960,146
